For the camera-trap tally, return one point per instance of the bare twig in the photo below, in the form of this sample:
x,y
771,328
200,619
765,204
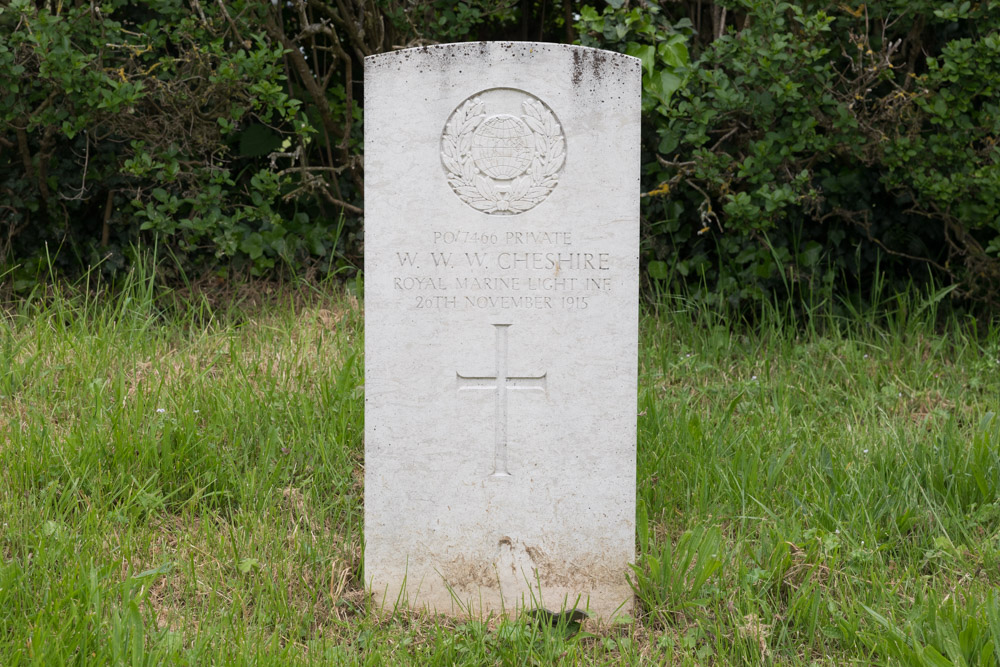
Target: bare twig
x,y
337,202
86,163
105,228
232,24
728,134
674,165
197,7
705,208
719,16
299,170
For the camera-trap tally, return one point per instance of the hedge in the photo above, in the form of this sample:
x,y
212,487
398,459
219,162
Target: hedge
x,y
793,152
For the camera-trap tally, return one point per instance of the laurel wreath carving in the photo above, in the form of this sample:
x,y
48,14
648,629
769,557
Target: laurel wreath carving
x,y
478,190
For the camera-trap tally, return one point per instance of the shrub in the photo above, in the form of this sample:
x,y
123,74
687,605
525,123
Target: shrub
x,y
792,151
124,117
806,144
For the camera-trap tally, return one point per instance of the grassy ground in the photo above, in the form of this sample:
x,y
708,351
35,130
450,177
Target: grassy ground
x,y
183,483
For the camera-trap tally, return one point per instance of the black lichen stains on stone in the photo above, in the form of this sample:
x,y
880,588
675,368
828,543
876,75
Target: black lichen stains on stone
x,y
590,69
596,65
597,61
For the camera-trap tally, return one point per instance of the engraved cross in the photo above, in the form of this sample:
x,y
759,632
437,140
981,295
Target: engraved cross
x,y
500,382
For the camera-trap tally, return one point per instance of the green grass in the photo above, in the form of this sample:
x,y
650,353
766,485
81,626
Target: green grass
x,y
182,483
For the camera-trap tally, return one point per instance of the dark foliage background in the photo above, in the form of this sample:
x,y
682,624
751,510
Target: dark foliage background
x,y
794,153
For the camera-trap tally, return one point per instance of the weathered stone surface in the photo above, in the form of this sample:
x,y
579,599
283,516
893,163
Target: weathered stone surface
x,y
501,268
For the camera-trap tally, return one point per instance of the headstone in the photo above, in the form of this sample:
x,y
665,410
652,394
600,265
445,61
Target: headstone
x,y
501,307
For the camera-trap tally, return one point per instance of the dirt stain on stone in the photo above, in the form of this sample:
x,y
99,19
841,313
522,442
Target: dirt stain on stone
x,y
577,67
597,60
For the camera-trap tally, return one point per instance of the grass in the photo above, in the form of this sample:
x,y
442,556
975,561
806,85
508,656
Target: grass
x,y
182,483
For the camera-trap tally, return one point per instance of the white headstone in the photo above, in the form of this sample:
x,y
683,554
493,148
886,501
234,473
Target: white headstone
x,y
501,307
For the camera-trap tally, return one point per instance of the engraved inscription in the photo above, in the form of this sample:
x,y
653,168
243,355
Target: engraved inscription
x,y
502,163
500,382
508,238
462,270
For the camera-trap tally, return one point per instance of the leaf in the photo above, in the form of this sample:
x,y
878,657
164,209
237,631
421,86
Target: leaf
x,y
534,124
464,143
541,144
448,147
885,623
553,165
453,166
247,564
536,169
253,245
470,125
162,569
931,656
468,171
668,141
518,188
556,148
483,205
658,270
993,616
669,84
949,638
485,187
533,109
475,107
674,52
644,52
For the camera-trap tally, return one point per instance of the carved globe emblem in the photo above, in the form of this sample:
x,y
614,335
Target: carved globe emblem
x,y
502,150
503,147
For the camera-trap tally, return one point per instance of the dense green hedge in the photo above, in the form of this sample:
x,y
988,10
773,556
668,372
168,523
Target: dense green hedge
x,y
803,148
203,127
792,151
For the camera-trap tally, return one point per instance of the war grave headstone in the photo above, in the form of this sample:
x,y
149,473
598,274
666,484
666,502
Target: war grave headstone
x,y
501,307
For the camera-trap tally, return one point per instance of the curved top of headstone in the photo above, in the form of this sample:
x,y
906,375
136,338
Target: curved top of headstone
x,y
587,63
